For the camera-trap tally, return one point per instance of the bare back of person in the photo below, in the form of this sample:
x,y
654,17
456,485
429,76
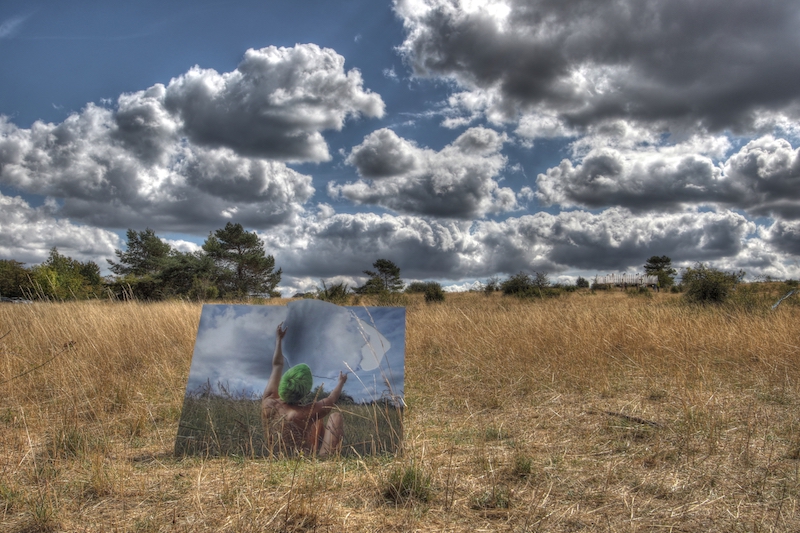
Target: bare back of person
x,y
297,426
300,427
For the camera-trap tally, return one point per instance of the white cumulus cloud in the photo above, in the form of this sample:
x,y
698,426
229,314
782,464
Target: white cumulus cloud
x,y
28,233
458,181
275,104
196,152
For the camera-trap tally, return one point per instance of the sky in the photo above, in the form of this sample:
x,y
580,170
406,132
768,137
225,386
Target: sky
x,y
461,139
235,345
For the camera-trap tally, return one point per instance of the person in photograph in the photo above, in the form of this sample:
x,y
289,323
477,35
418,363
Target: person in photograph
x,y
311,428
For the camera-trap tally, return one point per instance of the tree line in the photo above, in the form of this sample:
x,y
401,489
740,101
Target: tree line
x,y
384,282
59,277
233,264
701,283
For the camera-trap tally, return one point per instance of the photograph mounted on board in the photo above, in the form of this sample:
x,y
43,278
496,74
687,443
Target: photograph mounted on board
x,y
311,377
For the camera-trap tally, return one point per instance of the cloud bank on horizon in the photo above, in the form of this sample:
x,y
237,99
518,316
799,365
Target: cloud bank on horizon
x,y
569,137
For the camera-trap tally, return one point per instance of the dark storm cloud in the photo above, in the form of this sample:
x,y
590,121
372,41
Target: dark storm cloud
x,y
144,127
224,176
784,236
607,177
758,258
456,182
765,177
715,64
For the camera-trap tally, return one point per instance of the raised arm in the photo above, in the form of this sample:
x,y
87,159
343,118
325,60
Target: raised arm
x,y
277,364
325,405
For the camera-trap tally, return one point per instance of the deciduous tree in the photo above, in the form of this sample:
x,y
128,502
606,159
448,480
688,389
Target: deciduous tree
x,y
13,278
63,278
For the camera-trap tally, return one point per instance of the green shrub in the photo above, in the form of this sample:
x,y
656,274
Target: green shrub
x,y
517,285
639,291
434,292
661,266
431,289
13,279
525,285
416,287
337,293
492,285
704,284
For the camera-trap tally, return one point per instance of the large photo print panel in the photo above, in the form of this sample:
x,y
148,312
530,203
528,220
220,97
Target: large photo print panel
x,y
311,377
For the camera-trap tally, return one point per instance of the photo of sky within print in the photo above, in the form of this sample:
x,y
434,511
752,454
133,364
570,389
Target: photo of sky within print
x,y
235,345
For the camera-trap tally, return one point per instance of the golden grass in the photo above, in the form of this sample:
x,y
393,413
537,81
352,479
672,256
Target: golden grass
x,y
581,413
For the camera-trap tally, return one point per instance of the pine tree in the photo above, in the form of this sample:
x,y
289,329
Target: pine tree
x,y
243,267
661,266
145,254
385,278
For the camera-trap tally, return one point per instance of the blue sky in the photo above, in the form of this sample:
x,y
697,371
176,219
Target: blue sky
x,y
460,139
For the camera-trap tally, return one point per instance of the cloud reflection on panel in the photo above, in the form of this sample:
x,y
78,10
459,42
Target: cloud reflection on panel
x,y
331,339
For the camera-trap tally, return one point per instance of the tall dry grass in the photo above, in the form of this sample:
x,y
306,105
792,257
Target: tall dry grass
x,y
581,413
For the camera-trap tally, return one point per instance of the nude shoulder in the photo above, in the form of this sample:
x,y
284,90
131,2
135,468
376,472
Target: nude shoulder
x,y
277,406
270,403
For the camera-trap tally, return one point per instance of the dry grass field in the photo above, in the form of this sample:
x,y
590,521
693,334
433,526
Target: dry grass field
x,y
587,412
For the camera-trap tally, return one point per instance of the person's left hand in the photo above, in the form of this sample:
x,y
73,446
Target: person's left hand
x,y
281,332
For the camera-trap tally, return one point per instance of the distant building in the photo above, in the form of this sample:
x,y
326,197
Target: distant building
x,y
624,280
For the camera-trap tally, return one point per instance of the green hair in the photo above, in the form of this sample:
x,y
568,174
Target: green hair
x,y
295,383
